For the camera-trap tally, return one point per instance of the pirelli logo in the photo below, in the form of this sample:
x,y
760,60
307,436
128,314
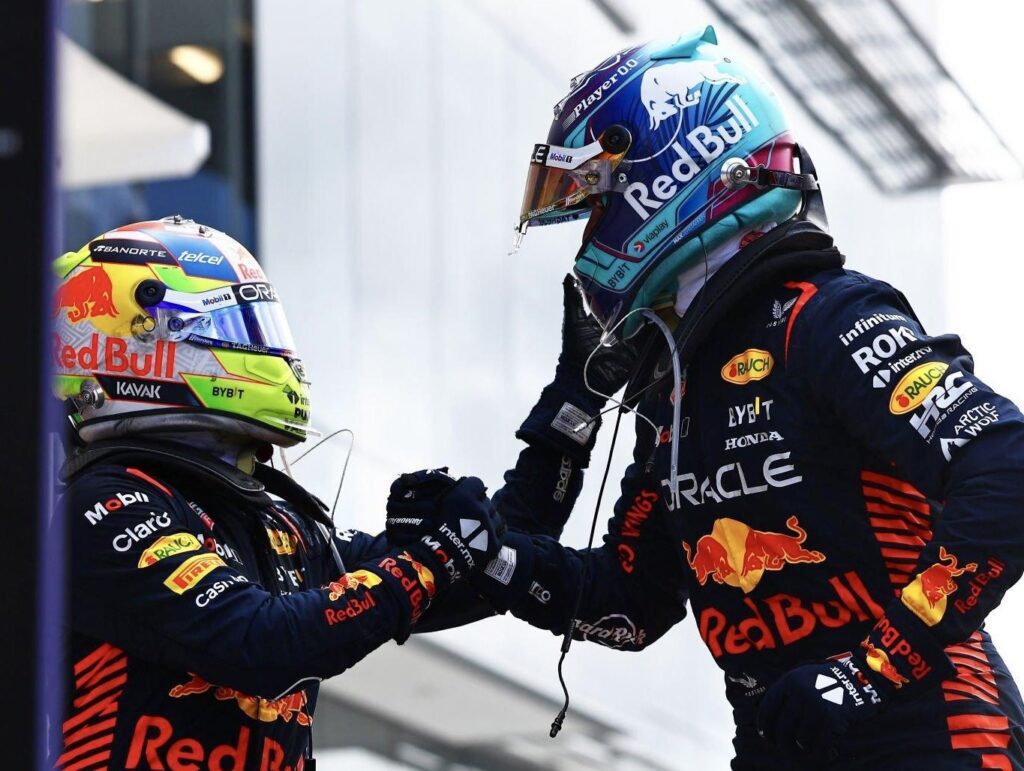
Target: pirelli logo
x,y
191,572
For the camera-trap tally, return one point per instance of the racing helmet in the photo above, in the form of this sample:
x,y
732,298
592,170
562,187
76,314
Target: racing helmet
x,y
673,150
172,326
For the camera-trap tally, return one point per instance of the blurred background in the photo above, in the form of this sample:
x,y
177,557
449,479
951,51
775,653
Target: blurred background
x,y
372,154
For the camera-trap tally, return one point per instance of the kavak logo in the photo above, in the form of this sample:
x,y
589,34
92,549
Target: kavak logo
x,y
753,364
913,387
85,295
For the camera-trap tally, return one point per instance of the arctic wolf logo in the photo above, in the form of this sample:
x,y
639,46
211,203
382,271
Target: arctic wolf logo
x,y
665,90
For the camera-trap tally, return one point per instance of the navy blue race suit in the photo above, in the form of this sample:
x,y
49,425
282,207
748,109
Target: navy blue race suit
x,y
842,475
204,612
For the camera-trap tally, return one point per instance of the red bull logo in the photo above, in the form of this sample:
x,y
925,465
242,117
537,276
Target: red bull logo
x,y
783,619
287,708
350,582
423,573
671,88
85,295
926,594
735,554
878,661
116,356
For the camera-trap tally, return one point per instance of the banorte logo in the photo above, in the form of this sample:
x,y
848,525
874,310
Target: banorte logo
x,y
926,595
670,88
737,555
292,706
913,387
85,295
753,364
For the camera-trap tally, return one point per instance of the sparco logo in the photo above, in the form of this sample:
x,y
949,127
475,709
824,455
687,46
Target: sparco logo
x,y
564,473
613,631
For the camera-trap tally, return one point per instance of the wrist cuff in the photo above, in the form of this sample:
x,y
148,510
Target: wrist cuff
x,y
506,579
414,575
564,420
901,657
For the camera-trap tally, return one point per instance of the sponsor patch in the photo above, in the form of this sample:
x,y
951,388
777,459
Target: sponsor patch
x,y
168,546
753,364
569,420
913,387
192,571
502,567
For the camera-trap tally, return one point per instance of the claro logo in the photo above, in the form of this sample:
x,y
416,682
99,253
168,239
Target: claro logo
x,y
915,386
752,364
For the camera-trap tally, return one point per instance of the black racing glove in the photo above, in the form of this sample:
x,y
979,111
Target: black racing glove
x,y
609,367
412,502
445,522
808,709
566,416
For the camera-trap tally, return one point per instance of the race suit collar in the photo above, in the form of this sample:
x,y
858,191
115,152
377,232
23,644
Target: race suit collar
x,y
792,247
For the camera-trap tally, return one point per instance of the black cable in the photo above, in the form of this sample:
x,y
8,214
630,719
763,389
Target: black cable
x,y
556,724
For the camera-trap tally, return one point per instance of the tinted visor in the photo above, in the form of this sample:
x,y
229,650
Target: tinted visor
x,y
561,178
246,317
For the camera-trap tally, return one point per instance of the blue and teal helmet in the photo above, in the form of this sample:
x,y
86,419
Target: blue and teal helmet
x,y
639,146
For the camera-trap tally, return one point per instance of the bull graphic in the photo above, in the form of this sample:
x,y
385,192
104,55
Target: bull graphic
x,y
667,89
937,581
87,294
879,661
770,551
711,560
286,708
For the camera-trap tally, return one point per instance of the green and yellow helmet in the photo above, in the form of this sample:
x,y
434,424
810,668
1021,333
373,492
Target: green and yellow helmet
x,y
170,326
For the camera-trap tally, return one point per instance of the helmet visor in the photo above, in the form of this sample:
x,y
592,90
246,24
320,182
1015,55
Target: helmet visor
x,y
561,178
244,317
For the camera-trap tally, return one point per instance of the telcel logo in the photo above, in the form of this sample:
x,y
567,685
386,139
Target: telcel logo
x,y
752,364
202,257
